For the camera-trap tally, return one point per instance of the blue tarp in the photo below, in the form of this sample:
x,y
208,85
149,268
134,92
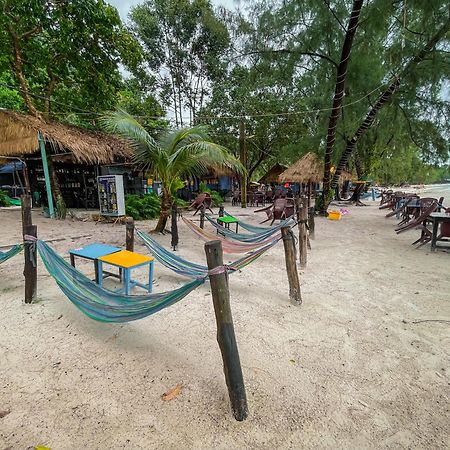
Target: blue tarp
x,y
12,167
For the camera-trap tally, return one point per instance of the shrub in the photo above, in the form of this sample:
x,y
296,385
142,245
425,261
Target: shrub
x,y
4,199
142,207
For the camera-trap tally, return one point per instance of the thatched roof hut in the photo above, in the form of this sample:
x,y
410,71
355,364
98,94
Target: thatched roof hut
x,y
308,169
272,175
19,136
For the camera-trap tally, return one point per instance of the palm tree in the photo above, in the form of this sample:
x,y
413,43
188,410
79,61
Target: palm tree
x,y
174,155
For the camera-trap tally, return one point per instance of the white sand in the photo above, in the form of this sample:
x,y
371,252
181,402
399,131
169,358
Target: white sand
x,y
347,370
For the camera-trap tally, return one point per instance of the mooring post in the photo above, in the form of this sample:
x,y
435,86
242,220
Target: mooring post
x,y
311,221
225,330
30,267
302,218
291,265
174,227
26,212
129,242
202,218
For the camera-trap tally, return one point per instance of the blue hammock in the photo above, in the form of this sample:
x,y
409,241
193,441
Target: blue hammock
x,y
4,256
247,226
254,237
190,269
101,304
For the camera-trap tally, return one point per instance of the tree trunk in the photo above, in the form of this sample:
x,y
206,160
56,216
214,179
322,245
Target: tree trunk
x,y
384,98
166,206
339,95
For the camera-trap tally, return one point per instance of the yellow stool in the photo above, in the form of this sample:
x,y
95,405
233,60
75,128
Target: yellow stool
x,y
127,261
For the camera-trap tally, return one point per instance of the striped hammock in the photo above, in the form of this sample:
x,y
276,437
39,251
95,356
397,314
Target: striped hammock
x,y
4,256
230,246
248,226
188,268
101,304
254,237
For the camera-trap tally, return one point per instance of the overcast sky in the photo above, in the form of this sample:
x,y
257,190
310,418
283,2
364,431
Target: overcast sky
x,y
124,6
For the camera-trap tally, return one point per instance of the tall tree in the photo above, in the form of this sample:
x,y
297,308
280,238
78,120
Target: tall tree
x,y
65,52
183,40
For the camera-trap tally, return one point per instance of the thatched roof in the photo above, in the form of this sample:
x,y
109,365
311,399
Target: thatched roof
x,y
19,136
308,169
272,174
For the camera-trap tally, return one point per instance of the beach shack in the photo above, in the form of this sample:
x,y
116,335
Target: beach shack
x,y
61,159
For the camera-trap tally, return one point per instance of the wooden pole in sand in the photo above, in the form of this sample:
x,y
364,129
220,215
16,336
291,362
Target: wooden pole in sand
x,y
221,210
202,218
225,330
291,265
311,223
129,224
30,265
302,218
174,227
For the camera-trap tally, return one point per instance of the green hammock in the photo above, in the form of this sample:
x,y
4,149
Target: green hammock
x,y
191,269
4,256
101,304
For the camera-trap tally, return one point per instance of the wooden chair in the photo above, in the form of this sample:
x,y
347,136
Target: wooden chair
x,y
203,201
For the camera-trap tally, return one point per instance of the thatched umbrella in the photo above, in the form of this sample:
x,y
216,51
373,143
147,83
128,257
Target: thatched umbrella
x,y
272,174
308,169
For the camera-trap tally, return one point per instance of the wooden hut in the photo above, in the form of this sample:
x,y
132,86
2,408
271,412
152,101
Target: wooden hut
x,y
74,154
272,174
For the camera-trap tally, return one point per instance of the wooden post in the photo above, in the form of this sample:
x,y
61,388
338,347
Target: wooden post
x,y
302,217
225,331
311,223
30,267
129,224
291,266
221,213
243,159
202,218
26,212
174,227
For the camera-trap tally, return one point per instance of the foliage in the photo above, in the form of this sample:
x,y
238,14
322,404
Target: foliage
x,y
174,155
61,210
4,198
183,41
142,207
66,51
217,199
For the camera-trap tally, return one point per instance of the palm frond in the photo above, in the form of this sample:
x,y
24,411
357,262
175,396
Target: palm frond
x,y
123,124
183,136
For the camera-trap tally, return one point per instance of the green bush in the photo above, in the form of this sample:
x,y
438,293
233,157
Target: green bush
x,y
142,207
4,199
217,199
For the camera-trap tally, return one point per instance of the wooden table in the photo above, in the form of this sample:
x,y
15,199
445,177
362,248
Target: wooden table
x,y
437,217
92,252
126,261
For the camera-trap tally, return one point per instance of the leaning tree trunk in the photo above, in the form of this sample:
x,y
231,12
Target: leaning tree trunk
x,y
166,206
384,98
339,96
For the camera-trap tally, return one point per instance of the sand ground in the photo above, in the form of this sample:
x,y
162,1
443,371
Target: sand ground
x,y
351,368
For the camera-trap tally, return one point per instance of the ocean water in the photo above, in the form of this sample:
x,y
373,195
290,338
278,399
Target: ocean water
x,y
437,191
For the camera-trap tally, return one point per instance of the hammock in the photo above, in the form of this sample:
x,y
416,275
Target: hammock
x,y
247,226
255,237
230,246
101,304
4,256
190,269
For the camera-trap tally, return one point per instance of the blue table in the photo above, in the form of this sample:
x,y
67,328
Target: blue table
x,y
93,252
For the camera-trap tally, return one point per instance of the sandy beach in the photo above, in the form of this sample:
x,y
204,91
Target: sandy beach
x,y
362,363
